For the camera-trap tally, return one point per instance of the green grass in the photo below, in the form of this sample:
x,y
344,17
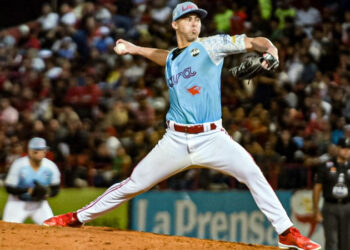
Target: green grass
x,y
71,199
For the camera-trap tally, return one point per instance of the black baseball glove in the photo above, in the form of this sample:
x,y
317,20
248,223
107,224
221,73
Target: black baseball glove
x,y
40,192
252,66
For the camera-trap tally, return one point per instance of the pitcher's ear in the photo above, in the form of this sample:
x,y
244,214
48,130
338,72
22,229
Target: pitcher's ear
x,y
174,25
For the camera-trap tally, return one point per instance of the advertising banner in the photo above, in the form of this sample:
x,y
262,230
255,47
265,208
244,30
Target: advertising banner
x,y
302,216
229,216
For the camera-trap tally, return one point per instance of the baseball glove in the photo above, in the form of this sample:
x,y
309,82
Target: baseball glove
x,y
252,66
39,192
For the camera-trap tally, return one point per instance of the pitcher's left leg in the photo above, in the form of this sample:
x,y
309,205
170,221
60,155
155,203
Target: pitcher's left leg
x,y
167,158
222,153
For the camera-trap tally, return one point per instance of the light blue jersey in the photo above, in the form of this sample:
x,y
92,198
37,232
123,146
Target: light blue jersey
x,y
194,78
22,175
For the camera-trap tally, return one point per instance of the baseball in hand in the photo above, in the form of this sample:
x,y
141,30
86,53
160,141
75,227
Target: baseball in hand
x,y
121,47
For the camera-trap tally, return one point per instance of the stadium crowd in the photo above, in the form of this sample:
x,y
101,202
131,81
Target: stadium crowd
x,y
101,113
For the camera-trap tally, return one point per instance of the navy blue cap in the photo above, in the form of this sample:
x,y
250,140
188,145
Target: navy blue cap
x,y
344,142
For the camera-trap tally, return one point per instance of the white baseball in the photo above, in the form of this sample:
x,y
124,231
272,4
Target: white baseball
x,y
121,47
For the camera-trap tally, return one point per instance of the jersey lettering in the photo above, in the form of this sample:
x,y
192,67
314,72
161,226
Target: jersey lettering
x,y
188,7
186,73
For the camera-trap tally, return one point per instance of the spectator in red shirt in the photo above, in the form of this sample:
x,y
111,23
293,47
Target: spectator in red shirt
x,y
90,93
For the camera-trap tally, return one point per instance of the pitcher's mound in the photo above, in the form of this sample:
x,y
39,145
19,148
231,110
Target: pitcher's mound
x,y
24,236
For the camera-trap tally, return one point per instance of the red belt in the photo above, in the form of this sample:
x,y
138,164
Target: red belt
x,y
192,129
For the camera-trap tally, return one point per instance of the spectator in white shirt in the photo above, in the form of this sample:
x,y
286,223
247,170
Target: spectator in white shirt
x,y
67,15
8,114
49,19
308,17
160,11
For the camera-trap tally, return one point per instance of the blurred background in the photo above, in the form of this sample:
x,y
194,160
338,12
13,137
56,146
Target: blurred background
x,y
102,113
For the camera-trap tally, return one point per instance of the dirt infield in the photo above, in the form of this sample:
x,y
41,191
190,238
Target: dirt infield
x,y
21,236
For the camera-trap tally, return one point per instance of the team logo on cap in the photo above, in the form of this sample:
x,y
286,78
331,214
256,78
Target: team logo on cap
x,y
195,52
189,7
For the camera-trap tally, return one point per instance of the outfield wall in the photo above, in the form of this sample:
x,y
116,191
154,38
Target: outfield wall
x,y
229,215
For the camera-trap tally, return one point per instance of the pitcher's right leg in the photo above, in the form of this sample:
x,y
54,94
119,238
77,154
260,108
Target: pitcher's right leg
x,y
167,158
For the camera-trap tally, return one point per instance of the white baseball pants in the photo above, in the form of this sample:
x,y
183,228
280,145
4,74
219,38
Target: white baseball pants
x,y
17,210
175,152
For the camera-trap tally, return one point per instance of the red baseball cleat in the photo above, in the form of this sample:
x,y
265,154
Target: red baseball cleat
x,y
64,220
295,240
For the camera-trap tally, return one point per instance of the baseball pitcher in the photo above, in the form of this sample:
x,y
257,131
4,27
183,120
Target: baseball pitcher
x,y
29,182
195,135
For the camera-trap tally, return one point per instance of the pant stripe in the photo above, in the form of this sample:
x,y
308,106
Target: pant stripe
x,y
103,195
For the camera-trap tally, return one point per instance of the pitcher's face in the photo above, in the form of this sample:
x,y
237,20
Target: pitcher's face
x,y
189,27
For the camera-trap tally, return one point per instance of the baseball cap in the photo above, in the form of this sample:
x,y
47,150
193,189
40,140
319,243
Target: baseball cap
x,y
344,142
37,143
187,7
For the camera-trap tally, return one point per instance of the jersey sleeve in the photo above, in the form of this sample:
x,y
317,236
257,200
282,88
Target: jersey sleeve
x,y
56,175
12,177
222,45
